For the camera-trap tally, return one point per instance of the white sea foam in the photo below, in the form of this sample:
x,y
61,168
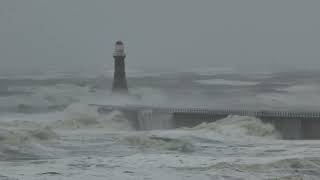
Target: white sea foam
x,y
160,143
302,88
239,127
79,116
25,144
136,73
209,71
95,146
140,95
18,136
285,169
226,82
297,97
45,98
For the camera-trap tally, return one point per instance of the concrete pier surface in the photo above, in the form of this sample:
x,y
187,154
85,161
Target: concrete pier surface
x,y
291,125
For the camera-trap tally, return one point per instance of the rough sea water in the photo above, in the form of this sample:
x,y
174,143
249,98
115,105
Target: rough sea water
x,y
47,131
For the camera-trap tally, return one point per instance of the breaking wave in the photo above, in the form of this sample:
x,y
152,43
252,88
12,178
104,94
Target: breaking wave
x,y
22,136
46,98
240,126
79,116
25,144
160,143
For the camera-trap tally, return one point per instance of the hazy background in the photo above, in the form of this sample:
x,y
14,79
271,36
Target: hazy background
x,y
78,35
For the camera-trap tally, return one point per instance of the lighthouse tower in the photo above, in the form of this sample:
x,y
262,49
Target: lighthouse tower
x,y
119,78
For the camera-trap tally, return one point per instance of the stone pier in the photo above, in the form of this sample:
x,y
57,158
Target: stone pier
x,y
291,125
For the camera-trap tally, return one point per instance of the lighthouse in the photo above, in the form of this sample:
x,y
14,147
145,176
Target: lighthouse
x,y
119,85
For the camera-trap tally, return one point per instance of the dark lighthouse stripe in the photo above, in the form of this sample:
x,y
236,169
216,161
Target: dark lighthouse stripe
x,y
119,78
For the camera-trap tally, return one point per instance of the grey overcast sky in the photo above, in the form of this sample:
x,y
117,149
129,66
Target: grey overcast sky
x,y
79,34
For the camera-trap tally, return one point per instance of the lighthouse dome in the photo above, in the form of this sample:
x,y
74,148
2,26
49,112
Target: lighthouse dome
x,y
119,49
119,43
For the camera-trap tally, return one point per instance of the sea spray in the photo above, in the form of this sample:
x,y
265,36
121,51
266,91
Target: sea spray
x,y
240,126
82,116
149,120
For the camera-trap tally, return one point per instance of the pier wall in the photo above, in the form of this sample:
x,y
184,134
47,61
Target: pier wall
x,y
291,125
288,128
311,128
194,119
295,128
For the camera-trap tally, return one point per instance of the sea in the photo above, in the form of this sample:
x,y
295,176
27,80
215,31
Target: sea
x,y
49,132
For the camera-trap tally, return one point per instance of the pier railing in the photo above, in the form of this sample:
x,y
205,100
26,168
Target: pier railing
x,y
261,113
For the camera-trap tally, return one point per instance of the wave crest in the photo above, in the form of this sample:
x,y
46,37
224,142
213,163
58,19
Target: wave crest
x,y
162,143
82,116
240,126
22,136
25,144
